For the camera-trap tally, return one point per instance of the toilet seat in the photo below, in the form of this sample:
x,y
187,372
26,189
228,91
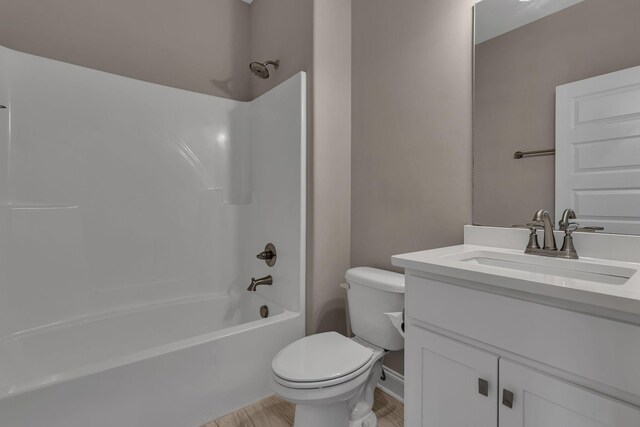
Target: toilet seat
x,y
321,360
323,384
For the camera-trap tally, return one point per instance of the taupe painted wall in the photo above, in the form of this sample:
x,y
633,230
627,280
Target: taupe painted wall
x,y
331,159
281,29
198,45
516,77
411,137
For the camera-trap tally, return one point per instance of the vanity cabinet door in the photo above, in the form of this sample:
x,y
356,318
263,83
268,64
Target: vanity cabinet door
x,y
448,384
538,400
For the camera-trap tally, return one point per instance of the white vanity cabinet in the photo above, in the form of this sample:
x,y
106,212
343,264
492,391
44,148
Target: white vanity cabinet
x,y
476,357
544,401
448,384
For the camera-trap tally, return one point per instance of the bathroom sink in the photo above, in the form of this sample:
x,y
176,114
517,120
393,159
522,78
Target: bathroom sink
x,y
569,269
606,279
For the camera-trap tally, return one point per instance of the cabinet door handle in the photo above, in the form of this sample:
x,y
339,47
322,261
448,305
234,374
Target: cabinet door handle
x,y
507,398
483,387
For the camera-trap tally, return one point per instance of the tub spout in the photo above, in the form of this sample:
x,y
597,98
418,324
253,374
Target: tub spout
x,y
267,280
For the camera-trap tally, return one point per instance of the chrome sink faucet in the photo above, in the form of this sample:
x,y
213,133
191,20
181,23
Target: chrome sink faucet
x,y
267,280
542,220
549,238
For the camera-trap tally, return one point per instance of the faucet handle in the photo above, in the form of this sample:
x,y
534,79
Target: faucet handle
x,y
566,218
590,229
269,255
533,237
568,250
265,255
570,227
535,225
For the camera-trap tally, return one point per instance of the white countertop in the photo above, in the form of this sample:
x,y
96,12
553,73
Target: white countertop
x,y
452,262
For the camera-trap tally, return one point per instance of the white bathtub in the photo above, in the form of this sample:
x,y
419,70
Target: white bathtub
x,y
178,364
127,199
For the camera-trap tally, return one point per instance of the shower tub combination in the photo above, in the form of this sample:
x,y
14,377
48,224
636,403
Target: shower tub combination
x,y
130,217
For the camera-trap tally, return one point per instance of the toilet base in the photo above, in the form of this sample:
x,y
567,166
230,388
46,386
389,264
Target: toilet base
x,y
331,415
362,416
368,421
322,415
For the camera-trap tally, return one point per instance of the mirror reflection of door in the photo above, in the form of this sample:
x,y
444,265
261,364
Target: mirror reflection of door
x,y
598,150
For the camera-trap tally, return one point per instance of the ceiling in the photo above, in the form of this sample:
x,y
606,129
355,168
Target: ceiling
x,y
496,17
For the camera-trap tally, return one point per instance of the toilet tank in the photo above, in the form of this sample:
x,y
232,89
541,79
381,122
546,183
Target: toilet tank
x,y
370,294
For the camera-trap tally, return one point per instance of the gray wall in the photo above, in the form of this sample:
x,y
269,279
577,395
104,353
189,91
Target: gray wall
x,y
411,136
516,77
198,45
281,29
330,158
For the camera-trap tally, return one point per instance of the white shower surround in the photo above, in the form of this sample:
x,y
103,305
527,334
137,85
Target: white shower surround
x,y
130,216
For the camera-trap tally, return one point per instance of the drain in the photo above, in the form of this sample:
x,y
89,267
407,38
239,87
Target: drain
x,y
264,311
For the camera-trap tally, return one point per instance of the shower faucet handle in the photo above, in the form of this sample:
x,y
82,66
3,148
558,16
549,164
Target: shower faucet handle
x,y
265,255
269,255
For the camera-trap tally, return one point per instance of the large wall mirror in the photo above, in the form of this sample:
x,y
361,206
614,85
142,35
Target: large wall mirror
x,y
557,111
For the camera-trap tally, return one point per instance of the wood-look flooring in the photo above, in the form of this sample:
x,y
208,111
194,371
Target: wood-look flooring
x,y
275,412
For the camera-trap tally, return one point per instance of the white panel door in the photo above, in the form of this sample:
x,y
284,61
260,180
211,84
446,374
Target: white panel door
x,y
598,150
447,383
544,401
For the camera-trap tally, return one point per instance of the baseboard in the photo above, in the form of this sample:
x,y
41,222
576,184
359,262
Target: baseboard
x,y
393,385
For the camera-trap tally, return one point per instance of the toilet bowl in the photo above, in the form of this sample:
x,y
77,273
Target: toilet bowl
x,y
332,378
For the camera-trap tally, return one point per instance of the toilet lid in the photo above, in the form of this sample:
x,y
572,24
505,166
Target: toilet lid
x,y
320,357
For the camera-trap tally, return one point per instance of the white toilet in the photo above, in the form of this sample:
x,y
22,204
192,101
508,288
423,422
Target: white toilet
x,y
331,378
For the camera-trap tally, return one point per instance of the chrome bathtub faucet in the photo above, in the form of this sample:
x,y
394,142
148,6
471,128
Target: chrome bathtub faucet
x,y
267,280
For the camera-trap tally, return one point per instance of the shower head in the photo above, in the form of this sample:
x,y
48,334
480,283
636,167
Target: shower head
x,y
260,70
